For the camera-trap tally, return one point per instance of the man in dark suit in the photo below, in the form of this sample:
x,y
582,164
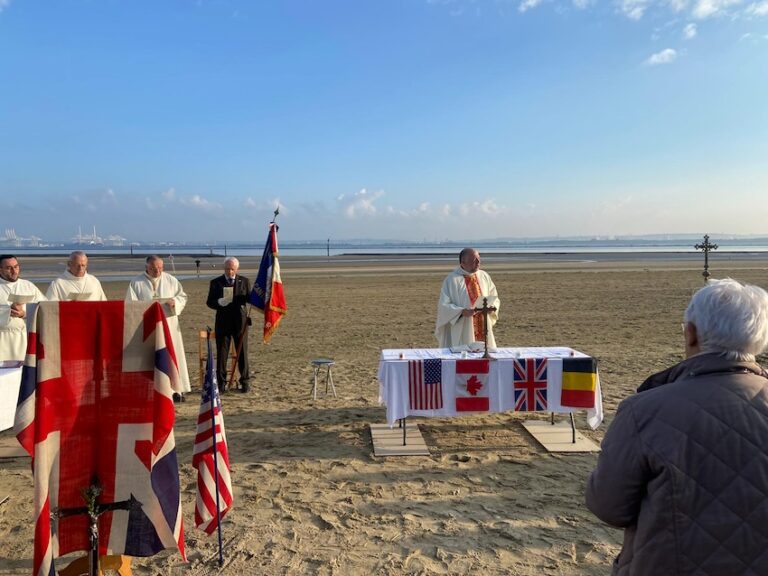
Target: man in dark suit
x,y
228,295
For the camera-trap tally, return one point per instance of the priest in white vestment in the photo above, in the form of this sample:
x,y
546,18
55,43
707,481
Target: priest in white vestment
x,y
458,321
154,284
76,283
15,294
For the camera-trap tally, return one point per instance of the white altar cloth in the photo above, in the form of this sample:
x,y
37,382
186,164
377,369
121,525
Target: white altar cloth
x,y
393,381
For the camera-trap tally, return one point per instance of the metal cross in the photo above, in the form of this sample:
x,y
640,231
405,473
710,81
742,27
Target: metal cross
x,y
707,247
484,310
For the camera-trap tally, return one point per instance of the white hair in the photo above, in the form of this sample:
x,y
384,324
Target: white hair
x,y
731,318
232,259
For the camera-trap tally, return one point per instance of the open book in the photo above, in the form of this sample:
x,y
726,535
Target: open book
x,y
78,296
169,310
20,298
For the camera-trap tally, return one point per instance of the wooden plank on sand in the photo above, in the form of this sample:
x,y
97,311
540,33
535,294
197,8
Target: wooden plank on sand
x,y
558,437
389,441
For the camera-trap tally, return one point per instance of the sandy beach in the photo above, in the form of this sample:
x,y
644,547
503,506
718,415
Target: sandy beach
x,y
310,497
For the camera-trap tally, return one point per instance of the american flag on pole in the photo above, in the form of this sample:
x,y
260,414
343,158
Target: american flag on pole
x,y
530,383
425,386
96,408
267,293
210,455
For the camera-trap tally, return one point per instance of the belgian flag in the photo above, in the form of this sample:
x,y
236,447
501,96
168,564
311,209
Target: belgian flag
x,y
579,382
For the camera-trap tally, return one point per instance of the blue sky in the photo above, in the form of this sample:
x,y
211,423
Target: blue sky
x,y
390,119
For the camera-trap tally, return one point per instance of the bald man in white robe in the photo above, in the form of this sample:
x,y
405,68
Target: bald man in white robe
x,y
76,283
155,284
458,321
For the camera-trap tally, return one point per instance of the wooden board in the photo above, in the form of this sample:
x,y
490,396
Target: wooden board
x,y
558,437
389,441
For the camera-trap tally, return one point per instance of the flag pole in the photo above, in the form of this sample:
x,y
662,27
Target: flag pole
x,y
239,349
214,395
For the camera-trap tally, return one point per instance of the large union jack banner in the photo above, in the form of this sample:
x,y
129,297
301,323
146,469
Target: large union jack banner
x,y
96,408
530,382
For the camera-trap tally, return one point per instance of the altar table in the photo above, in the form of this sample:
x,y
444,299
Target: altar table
x,y
10,381
548,363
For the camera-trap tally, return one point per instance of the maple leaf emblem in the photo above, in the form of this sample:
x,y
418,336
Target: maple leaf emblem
x,y
474,385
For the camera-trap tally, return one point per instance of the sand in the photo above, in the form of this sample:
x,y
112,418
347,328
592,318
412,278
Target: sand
x,y
310,497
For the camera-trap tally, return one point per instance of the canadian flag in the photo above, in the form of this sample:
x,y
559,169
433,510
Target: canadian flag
x,y
472,385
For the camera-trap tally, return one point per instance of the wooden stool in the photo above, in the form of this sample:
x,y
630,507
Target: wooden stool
x,y
79,566
202,353
319,364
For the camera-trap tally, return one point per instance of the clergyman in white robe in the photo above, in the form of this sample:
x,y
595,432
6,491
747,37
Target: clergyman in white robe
x,y
165,289
71,287
75,283
454,327
13,329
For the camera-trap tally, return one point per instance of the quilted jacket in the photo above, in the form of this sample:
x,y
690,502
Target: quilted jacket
x,y
684,470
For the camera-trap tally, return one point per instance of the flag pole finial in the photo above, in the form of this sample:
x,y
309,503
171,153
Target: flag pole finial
x,y
277,211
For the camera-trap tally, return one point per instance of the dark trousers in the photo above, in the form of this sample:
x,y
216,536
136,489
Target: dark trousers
x,y
223,342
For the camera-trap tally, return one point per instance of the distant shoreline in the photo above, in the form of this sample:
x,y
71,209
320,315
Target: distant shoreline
x,y
118,267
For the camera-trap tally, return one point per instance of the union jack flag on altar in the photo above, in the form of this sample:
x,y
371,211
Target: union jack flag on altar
x,y
96,408
211,456
530,383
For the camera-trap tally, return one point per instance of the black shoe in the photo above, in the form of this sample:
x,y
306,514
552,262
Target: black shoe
x,y
222,389
177,398
244,387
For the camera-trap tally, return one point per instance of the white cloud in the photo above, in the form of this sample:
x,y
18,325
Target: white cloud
x,y
581,4
172,197
361,203
526,5
666,56
758,9
108,198
485,208
753,37
707,8
4,4
200,203
690,31
265,205
633,9
677,5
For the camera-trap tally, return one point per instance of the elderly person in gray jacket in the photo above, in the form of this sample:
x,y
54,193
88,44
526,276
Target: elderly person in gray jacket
x,y
684,464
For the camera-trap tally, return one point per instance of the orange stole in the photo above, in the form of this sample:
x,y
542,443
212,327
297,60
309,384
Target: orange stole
x,y
478,320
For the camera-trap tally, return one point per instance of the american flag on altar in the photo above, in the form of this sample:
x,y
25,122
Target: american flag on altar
x,y
95,408
530,383
211,458
425,387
